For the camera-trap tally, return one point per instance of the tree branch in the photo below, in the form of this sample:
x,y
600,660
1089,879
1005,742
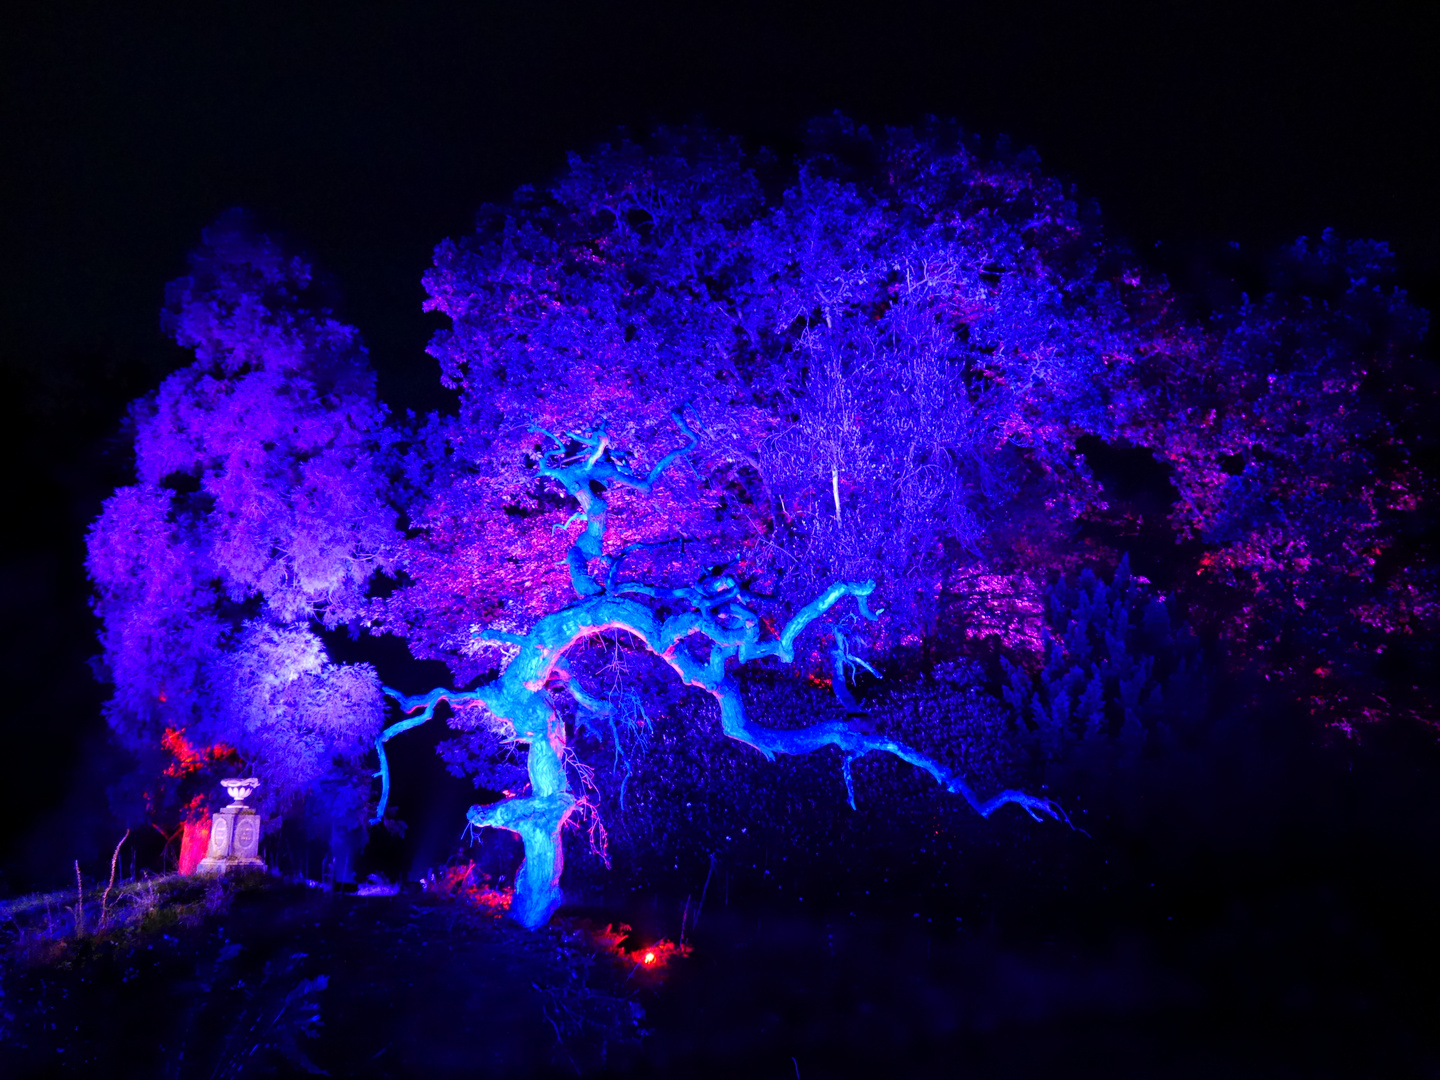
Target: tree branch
x,y
722,610
580,475
424,702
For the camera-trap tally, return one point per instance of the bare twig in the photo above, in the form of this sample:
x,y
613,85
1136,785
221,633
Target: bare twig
x,y
114,863
79,902
705,889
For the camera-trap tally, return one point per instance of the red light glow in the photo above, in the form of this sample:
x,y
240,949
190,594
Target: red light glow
x,y
188,759
652,957
464,883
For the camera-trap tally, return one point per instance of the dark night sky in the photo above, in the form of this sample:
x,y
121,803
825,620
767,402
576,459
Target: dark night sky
x,y
367,132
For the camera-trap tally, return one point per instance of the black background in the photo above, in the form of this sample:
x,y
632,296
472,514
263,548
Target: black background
x,y
367,132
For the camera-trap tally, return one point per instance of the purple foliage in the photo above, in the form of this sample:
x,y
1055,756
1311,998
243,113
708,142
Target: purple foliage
x,y
885,372
259,511
890,372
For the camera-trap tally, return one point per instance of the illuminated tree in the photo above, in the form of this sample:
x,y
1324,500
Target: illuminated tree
x,y
891,371
258,513
897,363
516,708
892,365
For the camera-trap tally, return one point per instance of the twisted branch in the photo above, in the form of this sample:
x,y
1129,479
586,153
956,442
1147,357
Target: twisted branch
x,y
722,611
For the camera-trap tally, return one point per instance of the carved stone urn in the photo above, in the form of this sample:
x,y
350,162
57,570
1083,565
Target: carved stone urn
x,y
234,832
239,791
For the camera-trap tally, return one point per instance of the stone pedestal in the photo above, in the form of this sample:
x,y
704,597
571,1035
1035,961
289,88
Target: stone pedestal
x,y
234,835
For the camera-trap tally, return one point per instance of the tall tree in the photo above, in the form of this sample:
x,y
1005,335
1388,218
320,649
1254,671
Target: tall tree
x,y
259,512
900,357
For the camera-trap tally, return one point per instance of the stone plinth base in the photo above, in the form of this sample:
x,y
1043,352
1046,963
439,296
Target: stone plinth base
x,y
229,866
234,842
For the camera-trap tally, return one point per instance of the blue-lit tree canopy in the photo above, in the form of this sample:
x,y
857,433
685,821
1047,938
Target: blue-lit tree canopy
x,y
835,418
259,513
